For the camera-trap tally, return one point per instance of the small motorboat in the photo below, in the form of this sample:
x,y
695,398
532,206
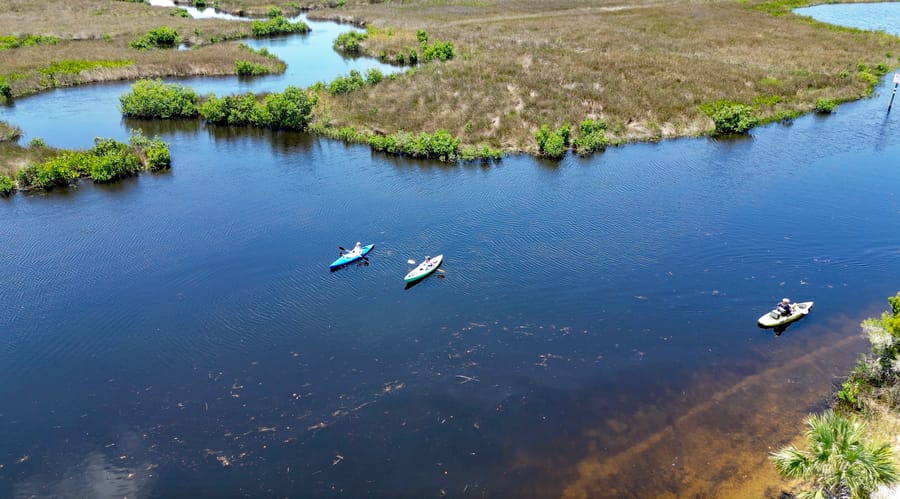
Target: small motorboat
x,y
775,319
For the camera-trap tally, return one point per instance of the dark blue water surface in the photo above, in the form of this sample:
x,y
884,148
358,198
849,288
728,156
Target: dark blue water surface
x,y
593,326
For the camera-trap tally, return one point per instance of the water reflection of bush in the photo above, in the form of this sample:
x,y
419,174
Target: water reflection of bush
x,y
283,141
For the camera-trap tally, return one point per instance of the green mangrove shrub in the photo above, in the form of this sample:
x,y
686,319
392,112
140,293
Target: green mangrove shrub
x,y
5,90
106,161
274,12
354,81
277,26
109,160
591,137
480,152
247,68
179,12
440,145
290,110
876,376
7,185
552,143
151,98
58,171
157,38
439,50
349,43
730,117
155,151
825,106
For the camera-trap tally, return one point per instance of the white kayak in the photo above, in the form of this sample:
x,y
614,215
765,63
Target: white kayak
x,y
774,318
427,266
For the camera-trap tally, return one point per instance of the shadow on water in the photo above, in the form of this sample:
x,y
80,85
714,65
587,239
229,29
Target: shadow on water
x,y
778,330
363,262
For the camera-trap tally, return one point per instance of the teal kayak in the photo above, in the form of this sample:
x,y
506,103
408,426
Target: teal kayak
x,y
351,256
425,268
774,318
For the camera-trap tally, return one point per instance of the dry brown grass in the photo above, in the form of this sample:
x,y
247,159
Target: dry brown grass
x,y
642,66
100,30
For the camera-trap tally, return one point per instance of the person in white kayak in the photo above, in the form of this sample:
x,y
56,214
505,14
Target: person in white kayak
x,y
784,307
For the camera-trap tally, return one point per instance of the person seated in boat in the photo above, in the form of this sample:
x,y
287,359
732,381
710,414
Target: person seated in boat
x,y
427,261
357,250
784,307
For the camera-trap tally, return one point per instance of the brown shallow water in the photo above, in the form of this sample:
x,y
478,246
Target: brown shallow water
x,y
717,443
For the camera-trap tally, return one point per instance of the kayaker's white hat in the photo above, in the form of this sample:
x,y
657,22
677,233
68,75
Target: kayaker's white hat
x,y
785,300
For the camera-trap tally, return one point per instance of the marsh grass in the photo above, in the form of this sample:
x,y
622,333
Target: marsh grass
x,y
643,68
95,33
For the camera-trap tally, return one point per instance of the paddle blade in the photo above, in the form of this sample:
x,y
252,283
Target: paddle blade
x,y
440,270
411,262
341,248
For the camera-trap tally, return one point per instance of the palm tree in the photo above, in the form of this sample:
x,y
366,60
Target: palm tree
x,y
838,461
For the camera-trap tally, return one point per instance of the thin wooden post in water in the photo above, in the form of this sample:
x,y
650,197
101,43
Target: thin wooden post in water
x,y
896,82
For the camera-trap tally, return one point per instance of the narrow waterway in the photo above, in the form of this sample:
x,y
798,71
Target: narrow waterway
x,y
593,332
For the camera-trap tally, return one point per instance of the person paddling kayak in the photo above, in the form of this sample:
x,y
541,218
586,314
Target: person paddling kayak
x,y
784,307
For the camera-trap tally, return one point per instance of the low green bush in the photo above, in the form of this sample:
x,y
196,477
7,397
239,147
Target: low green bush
x,y
349,42
277,26
346,84
162,37
291,109
154,150
591,137
825,106
247,68
154,99
730,117
483,153
5,90
552,143
7,185
58,171
110,160
439,50
107,161
440,145
374,76
179,12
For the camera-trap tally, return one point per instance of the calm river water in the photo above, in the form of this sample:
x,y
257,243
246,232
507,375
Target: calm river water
x,y
593,332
